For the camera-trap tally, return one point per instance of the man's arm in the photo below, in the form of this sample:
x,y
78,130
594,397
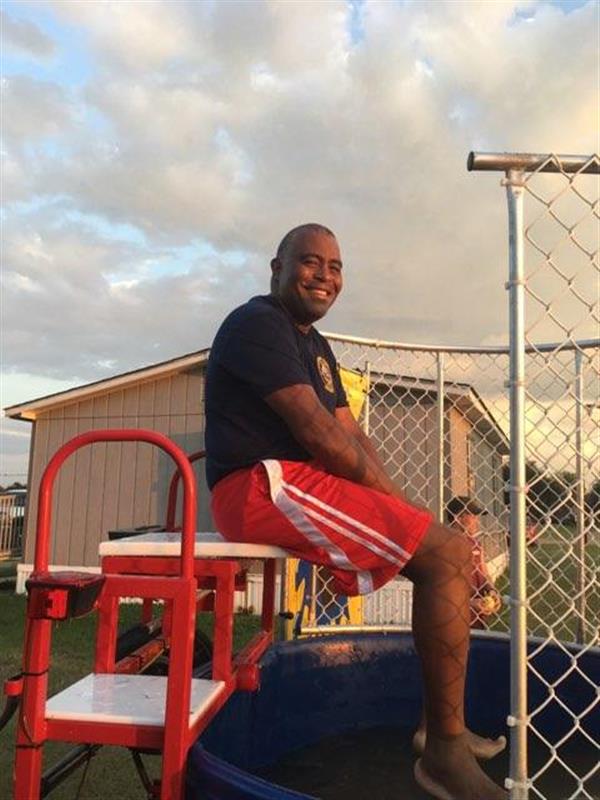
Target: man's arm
x,y
328,439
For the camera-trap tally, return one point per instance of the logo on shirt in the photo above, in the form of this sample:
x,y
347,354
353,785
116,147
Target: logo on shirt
x,y
325,373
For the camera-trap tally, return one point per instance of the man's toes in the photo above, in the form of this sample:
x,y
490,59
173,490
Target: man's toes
x,y
418,741
488,748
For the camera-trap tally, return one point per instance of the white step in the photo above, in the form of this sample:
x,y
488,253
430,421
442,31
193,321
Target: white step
x,y
136,699
208,545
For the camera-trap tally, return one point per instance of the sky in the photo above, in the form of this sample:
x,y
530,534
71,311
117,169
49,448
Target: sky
x,y
154,154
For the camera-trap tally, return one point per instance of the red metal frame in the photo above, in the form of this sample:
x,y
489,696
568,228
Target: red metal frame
x,y
174,488
176,581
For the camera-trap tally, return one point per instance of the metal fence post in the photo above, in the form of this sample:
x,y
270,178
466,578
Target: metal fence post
x,y
286,628
518,574
580,501
440,436
367,411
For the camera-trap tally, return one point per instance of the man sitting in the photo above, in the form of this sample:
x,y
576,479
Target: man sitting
x,y
289,465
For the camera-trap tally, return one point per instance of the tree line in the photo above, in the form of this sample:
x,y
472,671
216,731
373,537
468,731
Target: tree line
x,y
551,494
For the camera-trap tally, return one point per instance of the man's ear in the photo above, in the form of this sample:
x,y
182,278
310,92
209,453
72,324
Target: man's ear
x,y
275,270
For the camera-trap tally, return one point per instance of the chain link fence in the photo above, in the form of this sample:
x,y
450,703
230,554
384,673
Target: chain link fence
x,y
516,429
559,297
440,419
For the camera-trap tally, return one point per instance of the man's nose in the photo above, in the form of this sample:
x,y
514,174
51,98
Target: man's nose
x,y
323,273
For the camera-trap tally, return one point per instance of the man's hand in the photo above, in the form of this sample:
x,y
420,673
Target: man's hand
x,y
488,604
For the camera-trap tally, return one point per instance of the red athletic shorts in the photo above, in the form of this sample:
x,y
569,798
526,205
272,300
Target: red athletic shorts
x,y
363,536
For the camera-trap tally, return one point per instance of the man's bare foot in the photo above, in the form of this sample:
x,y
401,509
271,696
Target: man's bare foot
x,y
448,770
481,747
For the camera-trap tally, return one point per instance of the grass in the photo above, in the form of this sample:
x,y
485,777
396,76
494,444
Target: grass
x,y
8,570
111,773
552,580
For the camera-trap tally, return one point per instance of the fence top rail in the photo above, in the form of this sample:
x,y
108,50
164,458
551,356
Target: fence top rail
x,y
549,347
531,162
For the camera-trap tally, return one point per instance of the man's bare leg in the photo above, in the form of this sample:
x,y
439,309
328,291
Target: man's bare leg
x,y
441,572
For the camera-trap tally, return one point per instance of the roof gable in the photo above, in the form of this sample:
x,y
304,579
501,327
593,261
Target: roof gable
x,y
30,409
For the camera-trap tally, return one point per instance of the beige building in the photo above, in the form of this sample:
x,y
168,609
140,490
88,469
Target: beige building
x,y
104,487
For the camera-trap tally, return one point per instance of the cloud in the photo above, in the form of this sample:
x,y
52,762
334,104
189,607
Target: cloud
x,y
33,110
94,304
14,451
136,37
24,37
229,123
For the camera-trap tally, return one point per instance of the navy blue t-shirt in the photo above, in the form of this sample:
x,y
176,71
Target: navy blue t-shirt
x,y
256,351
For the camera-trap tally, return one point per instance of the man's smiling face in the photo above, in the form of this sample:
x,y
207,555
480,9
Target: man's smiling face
x,y
308,277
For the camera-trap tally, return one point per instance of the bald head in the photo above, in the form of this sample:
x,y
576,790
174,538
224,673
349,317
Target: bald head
x,y
306,273
286,244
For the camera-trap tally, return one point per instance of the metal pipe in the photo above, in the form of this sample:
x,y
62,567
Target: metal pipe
x,y
332,630
287,628
580,500
518,573
548,347
44,514
313,592
367,414
531,162
440,437
71,761
173,490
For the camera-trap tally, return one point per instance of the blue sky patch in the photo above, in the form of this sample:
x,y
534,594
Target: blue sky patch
x,y
71,65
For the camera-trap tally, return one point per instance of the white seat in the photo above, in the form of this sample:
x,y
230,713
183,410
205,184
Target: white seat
x,y
208,545
126,699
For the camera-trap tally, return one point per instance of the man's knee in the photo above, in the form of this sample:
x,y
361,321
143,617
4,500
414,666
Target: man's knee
x,y
444,552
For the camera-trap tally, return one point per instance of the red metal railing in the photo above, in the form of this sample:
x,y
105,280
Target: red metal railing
x,y
174,488
34,728
184,468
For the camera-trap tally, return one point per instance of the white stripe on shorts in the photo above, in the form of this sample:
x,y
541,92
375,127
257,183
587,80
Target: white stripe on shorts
x,y
353,536
355,523
297,514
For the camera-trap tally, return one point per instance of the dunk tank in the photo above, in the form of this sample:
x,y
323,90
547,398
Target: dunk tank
x,y
324,700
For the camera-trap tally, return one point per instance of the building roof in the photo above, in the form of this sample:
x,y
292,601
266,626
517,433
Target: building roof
x,y
463,396
30,409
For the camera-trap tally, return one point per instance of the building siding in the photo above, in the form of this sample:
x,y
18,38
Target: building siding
x,y
487,472
404,428
460,468
106,486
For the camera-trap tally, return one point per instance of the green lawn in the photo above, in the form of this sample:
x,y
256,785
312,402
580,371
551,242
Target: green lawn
x,y
111,773
552,581
8,569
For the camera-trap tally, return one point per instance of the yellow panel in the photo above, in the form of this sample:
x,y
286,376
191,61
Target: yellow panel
x,y
357,388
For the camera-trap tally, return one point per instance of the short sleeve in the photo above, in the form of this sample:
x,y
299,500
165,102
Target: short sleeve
x,y
341,399
261,350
